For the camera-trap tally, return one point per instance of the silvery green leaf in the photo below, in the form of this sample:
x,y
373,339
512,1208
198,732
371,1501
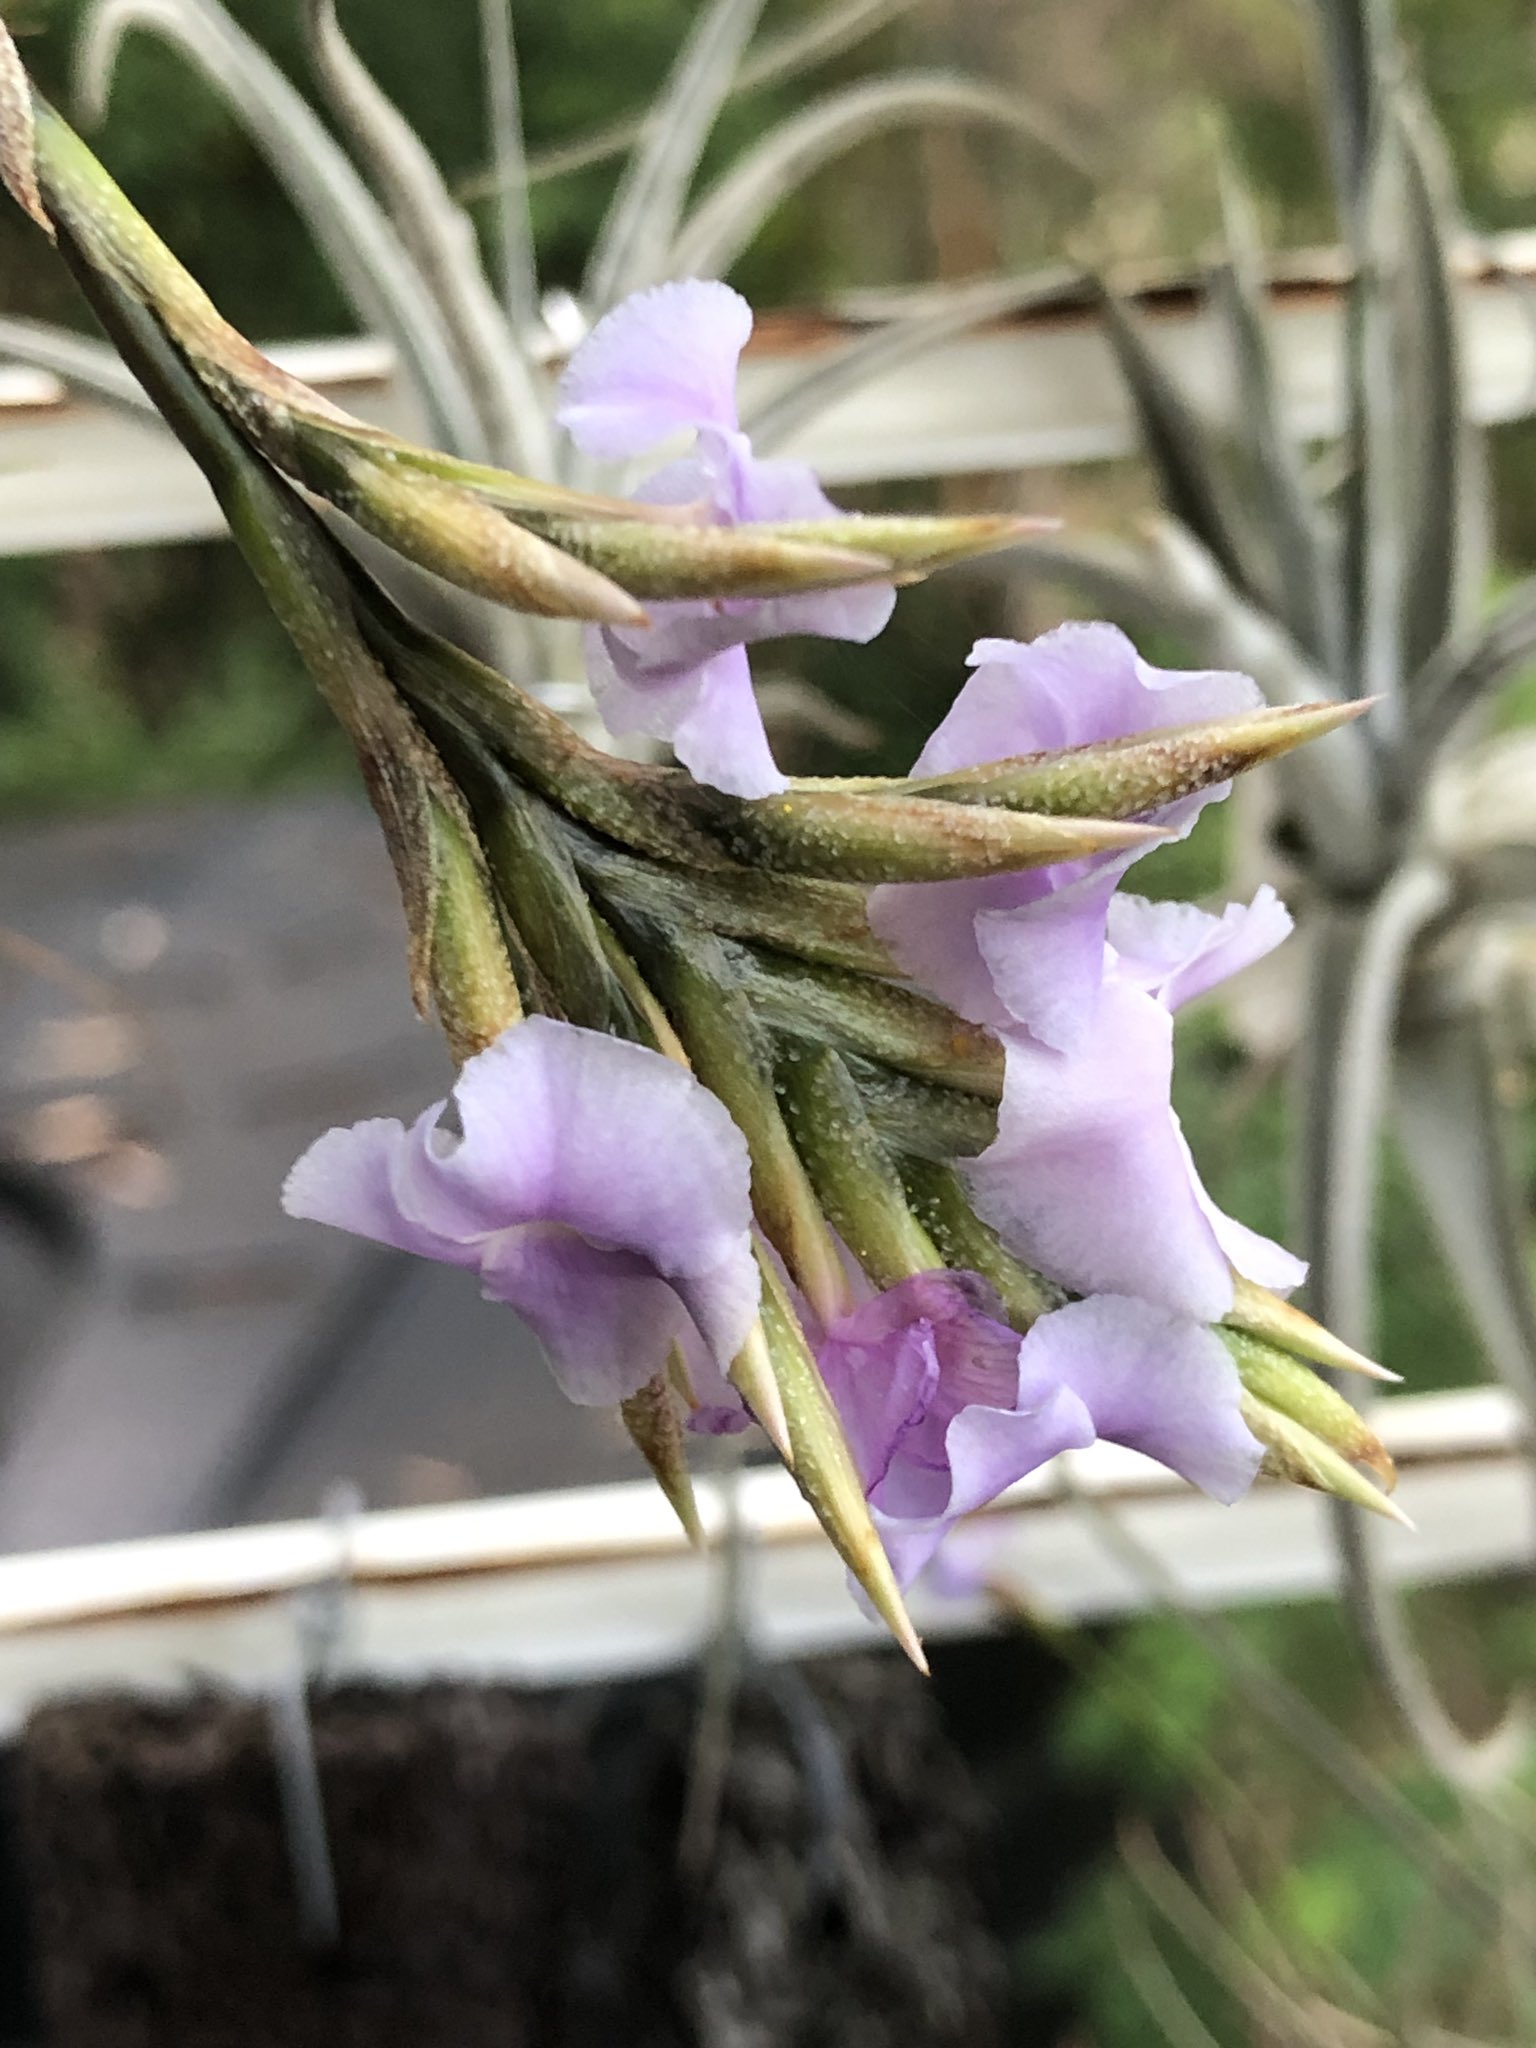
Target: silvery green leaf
x,y
1307,600
1356,35
514,222
77,360
362,248
1455,1138
440,241
769,62
1465,672
885,349
1195,486
641,223
1432,372
1360,958
1375,515
1333,786
1359,962
730,214
1111,576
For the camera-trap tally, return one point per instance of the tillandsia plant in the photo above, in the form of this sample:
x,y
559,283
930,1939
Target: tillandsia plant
x,y
1352,578
841,1108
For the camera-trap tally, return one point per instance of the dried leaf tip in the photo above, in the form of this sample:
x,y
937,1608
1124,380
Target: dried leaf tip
x,y
18,153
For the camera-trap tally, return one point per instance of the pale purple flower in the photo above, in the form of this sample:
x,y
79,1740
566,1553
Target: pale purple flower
x,y
1090,1177
663,363
1027,949
945,1406
594,1186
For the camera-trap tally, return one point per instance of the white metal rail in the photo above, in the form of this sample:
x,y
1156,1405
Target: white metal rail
x,y
1032,391
599,1582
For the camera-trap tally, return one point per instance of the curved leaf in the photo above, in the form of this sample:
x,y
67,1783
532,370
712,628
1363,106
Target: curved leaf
x,y
1356,35
1359,962
769,62
641,223
504,107
1333,786
1308,603
357,240
440,241
1462,673
899,341
1181,446
74,358
732,211
1454,1137
1375,513
1436,472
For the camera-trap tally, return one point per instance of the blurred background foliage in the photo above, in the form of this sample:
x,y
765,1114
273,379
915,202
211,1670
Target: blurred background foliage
x,y
157,674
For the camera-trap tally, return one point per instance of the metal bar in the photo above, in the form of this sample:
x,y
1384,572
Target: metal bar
x,y
598,1582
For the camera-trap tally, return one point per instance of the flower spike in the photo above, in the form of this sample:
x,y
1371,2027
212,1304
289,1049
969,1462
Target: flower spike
x,y
843,1108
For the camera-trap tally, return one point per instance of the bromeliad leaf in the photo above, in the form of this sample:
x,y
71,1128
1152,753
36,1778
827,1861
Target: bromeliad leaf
x,y
1182,450
356,238
88,365
899,341
641,224
769,62
1356,37
1307,599
1464,672
1440,565
440,240
1455,1139
732,212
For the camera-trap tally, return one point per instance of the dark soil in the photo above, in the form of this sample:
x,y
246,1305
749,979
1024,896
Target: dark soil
x,y
507,1873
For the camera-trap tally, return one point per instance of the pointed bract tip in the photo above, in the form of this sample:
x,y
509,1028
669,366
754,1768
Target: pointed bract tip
x,y
1105,835
752,1376
912,546
1263,1314
1388,1508
656,1430
874,1574
1280,727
